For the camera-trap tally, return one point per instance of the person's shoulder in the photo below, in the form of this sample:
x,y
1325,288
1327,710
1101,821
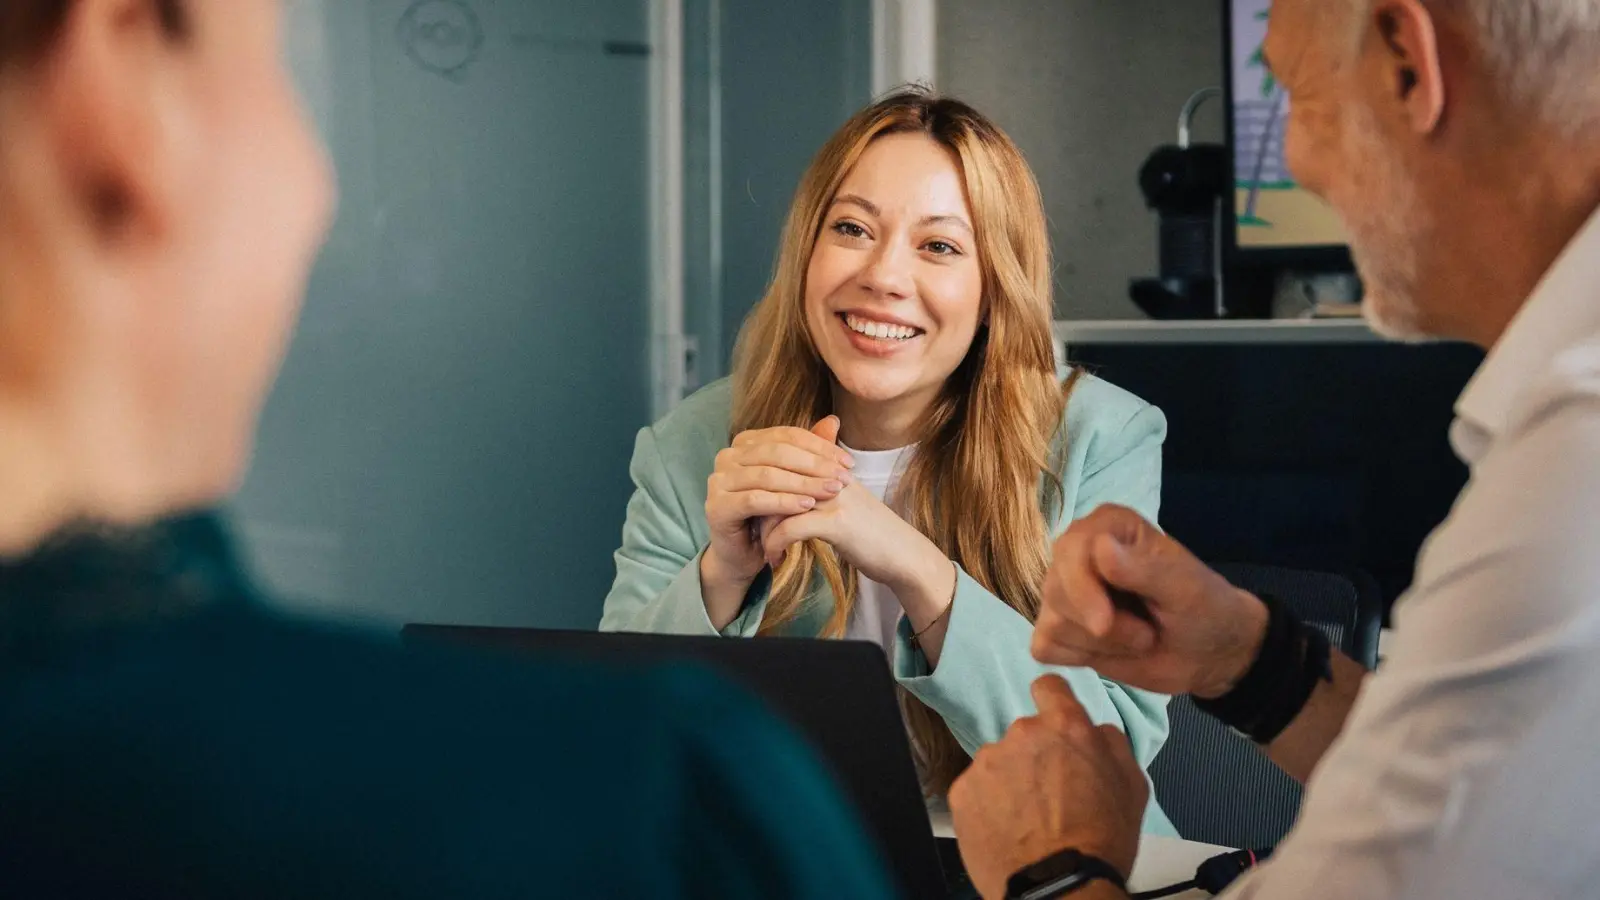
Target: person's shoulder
x,y
580,702
1555,412
561,686
410,753
1102,424
275,681
1098,407
1571,379
699,426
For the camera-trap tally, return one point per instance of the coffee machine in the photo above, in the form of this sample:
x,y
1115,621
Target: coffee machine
x,y
1186,185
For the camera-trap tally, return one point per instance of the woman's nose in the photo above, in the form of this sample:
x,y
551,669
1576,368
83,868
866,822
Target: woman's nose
x,y
888,272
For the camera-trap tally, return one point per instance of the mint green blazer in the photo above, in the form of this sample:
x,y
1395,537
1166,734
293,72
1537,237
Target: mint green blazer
x,y
1113,455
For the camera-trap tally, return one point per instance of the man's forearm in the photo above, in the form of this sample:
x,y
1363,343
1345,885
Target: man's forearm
x,y
1301,746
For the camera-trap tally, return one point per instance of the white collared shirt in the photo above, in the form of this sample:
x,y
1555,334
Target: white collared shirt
x,y
1497,632
1529,832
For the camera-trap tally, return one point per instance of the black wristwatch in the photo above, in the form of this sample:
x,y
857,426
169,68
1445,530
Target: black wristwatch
x,y
1061,875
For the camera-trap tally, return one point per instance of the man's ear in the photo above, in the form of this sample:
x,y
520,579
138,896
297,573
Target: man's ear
x,y
1410,46
116,114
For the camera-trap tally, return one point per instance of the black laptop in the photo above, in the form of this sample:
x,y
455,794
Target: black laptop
x,y
837,693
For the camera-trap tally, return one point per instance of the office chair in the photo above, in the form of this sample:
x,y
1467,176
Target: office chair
x,y
1216,786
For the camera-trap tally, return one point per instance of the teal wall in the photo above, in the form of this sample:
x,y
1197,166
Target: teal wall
x,y
451,434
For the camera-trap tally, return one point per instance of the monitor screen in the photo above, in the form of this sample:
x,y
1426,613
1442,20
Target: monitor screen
x,y
1272,212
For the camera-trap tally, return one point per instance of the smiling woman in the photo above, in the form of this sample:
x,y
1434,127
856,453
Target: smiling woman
x,y
897,446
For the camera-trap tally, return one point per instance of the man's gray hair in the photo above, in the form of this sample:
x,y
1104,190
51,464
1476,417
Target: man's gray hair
x,y
1546,54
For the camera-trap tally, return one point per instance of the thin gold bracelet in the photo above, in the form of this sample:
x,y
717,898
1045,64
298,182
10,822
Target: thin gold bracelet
x,y
916,639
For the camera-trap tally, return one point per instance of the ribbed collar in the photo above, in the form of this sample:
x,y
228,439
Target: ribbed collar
x,y
91,578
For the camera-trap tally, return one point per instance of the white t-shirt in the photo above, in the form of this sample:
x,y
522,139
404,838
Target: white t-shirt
x,y
877,611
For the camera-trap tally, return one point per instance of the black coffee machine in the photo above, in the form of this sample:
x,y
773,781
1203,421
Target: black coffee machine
x,y
1186,184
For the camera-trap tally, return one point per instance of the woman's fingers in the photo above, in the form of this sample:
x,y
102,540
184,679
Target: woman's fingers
x,y
796,437
776,480
789,532
787,456
771,475
763,529
737,507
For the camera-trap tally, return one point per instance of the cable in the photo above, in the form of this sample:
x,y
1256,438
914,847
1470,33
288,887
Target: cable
x,y
1186,117
1165,892
1214,875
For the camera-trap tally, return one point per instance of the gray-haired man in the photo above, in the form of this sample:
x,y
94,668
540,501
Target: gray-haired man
x,y
1460,142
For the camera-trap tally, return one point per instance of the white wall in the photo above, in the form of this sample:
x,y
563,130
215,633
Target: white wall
x,y
1087,88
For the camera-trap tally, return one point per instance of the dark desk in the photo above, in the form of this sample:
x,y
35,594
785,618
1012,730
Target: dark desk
x,y
1313,449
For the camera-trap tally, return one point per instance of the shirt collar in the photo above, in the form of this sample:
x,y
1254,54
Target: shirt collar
x,y
92,577
1561,312
879,466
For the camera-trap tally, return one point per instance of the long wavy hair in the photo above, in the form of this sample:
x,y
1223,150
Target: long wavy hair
x,y
982,482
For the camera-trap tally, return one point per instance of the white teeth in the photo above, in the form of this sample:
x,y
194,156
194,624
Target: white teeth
x,y
879,330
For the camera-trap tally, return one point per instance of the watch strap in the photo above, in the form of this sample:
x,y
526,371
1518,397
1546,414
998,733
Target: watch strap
x,y
1076,871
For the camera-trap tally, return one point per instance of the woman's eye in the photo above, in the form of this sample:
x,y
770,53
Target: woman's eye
x,y
849,230
942,248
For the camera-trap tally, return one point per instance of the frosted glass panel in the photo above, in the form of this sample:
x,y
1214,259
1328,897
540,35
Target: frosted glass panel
x,y
821,52
451,436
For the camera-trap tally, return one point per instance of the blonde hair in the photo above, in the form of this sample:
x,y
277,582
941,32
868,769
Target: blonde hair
x,y
983,479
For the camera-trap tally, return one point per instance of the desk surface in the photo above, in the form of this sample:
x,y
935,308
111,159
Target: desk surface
x,y
1162,861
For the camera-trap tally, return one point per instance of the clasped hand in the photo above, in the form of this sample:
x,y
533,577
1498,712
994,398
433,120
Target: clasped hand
x,y
777,487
